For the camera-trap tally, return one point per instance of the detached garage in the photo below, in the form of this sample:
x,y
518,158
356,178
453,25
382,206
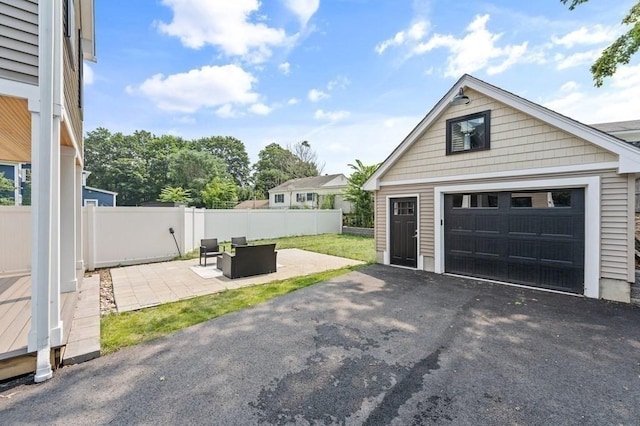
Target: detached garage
x,y
490,185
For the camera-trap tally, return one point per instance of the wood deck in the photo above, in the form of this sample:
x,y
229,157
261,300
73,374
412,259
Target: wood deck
x,y
15,314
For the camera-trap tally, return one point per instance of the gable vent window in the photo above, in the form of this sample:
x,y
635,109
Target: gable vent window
x,y
468,133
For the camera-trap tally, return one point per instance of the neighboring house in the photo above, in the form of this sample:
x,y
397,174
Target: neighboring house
x,y
630,132
491,185
96,196
252,204
311,193
43,47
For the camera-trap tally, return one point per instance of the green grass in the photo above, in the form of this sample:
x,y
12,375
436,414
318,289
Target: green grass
x,y
349,246
131,328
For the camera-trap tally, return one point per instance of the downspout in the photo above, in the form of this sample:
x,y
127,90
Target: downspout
x,y
42,151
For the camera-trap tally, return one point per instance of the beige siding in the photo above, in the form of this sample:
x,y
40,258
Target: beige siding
x,y
615,223
19,40
518,142
614,218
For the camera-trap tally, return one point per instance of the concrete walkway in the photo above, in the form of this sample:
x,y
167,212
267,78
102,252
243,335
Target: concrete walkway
x,y
84,338
142,286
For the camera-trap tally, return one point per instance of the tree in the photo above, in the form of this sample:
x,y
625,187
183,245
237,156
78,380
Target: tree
x,y
232,152
277,165
362,200
219,193
175,194
6,191
618,52
192,170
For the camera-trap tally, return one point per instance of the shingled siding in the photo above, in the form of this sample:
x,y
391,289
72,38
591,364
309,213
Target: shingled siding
x,y
518,141
616,214
19,40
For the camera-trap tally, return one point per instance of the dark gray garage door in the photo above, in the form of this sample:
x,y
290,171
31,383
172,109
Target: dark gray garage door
x,y
529,237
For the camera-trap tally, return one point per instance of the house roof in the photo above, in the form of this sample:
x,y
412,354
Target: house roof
x,y
104,191
618,126
314,182
253,204
628,155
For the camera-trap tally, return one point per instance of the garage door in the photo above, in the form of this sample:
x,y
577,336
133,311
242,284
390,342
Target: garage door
x,y
534,238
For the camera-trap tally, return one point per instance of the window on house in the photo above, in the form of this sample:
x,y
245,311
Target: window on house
x,y
309,196
468,133
300,198
551,199
278,198
403,208
475,201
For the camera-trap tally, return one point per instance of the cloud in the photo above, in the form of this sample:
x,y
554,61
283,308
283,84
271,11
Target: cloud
x,y
595,34
331,115
303,9
87,75
293,101
339,82
285,68
414,33
477,50
227,111
316,95
576,59
260,109
209,86
223,24
615,101
569,86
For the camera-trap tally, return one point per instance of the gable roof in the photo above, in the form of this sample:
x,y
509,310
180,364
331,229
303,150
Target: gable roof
x,y
628,155
314,182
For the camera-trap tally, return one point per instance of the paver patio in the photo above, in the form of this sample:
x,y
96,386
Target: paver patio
x,y
141,286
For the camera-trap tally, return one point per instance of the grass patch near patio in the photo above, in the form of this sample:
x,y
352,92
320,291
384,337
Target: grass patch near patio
x,y
131,328
342,245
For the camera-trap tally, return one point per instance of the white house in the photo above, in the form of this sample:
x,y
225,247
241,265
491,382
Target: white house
x,y
311,193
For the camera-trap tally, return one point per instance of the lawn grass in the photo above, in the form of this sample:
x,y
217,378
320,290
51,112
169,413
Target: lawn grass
x,y
131,328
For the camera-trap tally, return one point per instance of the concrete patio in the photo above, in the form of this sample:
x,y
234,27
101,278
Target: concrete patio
x,y
142,286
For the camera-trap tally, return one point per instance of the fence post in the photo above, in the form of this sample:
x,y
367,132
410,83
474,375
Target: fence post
x,y
91,237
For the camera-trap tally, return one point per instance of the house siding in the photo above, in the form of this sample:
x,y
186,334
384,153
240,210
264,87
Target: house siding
x,y
616,215
71,88
518,141
19,40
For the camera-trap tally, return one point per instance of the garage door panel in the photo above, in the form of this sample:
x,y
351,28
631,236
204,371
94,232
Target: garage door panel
x,y
537,240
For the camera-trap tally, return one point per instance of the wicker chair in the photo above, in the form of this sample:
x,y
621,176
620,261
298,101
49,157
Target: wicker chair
x,y
209,247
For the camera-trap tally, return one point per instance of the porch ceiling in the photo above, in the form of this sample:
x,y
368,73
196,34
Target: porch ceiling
x,y
15,130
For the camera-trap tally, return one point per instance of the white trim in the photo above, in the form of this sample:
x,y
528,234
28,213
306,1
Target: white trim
x,y
507,174
67,124
591,184
631,234
100,190
387,252
19,90
90,202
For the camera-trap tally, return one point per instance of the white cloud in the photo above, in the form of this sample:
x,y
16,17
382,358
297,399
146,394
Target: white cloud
x,y
414,33
569,86
224,24
477,50
293,101
227,111
303,9
316,95
285,68
209,86
331,115
339,82
615,101
576,59
595,34
260,109
87,75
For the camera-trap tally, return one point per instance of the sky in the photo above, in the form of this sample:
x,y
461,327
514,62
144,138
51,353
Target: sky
x,y
351,77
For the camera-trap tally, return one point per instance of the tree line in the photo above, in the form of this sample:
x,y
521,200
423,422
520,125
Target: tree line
x,y
205,172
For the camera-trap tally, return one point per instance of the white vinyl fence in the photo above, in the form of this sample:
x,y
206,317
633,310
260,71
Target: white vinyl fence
x,y
115,236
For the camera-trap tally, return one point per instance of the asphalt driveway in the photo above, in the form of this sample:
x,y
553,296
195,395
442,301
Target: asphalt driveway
x,y
375,347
